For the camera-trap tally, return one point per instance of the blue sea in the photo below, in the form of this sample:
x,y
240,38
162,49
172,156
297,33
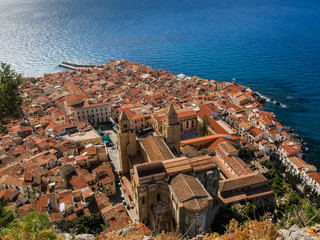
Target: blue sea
x,y
272,46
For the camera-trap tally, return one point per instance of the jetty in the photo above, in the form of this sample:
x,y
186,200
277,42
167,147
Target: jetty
x,y
74,66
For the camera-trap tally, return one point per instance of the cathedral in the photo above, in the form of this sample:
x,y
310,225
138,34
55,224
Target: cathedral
x,y
168,191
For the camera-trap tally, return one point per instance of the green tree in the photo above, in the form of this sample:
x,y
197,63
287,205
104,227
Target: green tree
x,y
294,199
246,154
203,151
85,224
276,184
11,95
293,180
312,214
307,190
250,210
36,222
203,128
6,215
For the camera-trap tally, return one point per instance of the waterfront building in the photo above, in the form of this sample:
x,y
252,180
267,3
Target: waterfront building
x,y
313,180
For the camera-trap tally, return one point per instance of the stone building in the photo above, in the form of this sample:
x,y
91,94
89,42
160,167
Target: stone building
x,y
151,194
186,118
192,205
127,143
172,129
133,151
168,195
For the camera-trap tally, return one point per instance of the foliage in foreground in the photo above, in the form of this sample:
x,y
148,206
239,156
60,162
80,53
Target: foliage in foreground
x,y
7,215
135,235
250,230
33,227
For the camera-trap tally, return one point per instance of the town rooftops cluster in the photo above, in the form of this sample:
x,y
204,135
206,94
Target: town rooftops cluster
x,y
54,161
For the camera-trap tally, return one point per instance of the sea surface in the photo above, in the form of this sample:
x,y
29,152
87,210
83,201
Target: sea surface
x,y
272,46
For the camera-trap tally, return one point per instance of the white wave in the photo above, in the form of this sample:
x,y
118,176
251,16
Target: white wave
x,y
264,97
283,105
271,100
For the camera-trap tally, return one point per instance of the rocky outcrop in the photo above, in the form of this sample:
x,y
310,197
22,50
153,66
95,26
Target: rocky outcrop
x,y
296,233
68,236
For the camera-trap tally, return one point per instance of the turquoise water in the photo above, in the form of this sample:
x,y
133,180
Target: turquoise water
x,y
271,46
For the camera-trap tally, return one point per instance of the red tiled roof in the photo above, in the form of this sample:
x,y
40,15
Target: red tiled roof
x,y
78,183
28,176
74,99
204,111
7,193
202,163
205,139
66,198
186,113
315,176
256,131
289,149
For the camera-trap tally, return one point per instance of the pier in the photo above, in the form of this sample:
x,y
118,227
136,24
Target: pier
x,y
74,66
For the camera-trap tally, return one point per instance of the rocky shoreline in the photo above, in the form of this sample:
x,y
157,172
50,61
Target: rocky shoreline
x,y
292,136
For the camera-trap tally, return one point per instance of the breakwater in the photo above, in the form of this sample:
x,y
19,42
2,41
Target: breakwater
x,y
74,66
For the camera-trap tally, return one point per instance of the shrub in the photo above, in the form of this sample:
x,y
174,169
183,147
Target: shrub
x,y
249,231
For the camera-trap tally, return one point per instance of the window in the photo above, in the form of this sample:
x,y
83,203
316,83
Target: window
x,y
78,113
97,110
92,110
79,118
101,109
97,114
82,112
143,202
158,197
87,111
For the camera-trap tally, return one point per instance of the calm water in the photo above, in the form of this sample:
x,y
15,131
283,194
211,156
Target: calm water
x,y
271,46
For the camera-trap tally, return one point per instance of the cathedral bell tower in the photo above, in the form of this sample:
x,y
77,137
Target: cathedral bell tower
x,y
172,129
127,144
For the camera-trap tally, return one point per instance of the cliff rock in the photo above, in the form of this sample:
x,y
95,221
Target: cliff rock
x,y
296,233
